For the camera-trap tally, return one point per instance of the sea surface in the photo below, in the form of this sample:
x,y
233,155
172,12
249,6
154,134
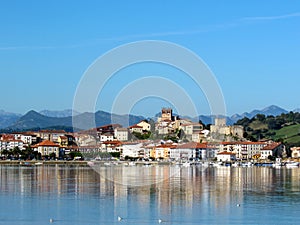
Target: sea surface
x,y
63,195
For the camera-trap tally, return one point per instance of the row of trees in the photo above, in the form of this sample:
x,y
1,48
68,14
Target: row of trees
x,y
17,153
29,154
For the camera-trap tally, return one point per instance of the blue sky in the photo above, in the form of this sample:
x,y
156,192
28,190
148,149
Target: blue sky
x,y
252,47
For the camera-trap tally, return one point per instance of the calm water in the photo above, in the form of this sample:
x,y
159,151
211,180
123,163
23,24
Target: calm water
x,y
79,195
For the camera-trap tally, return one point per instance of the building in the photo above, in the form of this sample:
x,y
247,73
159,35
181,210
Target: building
x,y
47,147
136,129
106,137
226,157
219,129
121,134
295,152
166,114
161,151
145,125
244,150
51,135
109,128
275,149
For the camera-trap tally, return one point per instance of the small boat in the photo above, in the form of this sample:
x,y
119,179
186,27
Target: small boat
x,y
292,165
38,163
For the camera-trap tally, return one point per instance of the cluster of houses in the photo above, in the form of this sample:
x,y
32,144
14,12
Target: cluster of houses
x,y
197,143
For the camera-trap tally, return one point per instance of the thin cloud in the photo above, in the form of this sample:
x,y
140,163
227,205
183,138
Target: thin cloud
x,y
207,29
285,16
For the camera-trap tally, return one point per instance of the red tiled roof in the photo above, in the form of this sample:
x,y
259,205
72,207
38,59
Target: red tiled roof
x,y
46,143
193,145
272,146
226,153
136,126
243,143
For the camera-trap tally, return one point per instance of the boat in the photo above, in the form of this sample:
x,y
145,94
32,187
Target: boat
x,y
38,163
292,165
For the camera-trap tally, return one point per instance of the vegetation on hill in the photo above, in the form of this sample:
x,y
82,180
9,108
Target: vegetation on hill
x,y
284,128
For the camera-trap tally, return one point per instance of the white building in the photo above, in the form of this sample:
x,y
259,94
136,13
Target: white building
x,y
106,137
226,157
11,144
47,147
121,134
295,152
145,126
131,150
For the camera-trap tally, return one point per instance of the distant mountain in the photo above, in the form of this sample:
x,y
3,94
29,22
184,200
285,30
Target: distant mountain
x,y
270,110
62,113
34,120
296,110
8,118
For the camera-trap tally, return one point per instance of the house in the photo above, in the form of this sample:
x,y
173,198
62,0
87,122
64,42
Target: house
x,y
106,137
244,150
26,138
110,146
136,129
191,128
109,128
295,152
275,149
121,134
146,126
62,141
131,150
161,151
226,157
9,144
51,135
47,147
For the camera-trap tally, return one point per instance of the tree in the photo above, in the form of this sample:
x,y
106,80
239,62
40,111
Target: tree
x,y
16,151
52,155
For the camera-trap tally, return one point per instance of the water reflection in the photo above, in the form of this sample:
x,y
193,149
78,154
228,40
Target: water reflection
x,y
183,195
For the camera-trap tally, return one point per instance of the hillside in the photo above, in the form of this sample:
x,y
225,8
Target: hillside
x,y
35,120
284,128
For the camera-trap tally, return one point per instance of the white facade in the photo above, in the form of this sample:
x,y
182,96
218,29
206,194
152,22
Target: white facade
x,y
265,154
11,144
145,126
106,137
121,134
225,157
131,150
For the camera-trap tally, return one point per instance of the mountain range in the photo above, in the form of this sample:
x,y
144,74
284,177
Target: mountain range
x,y
47,118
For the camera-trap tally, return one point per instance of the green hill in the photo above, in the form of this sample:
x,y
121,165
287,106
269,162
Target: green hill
x,y
284,128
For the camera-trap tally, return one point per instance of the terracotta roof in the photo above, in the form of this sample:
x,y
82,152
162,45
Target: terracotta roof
x,y
193,145
136,126
243,143
63,137
166,146
46,143
112,142
226,153
271,146
51,131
